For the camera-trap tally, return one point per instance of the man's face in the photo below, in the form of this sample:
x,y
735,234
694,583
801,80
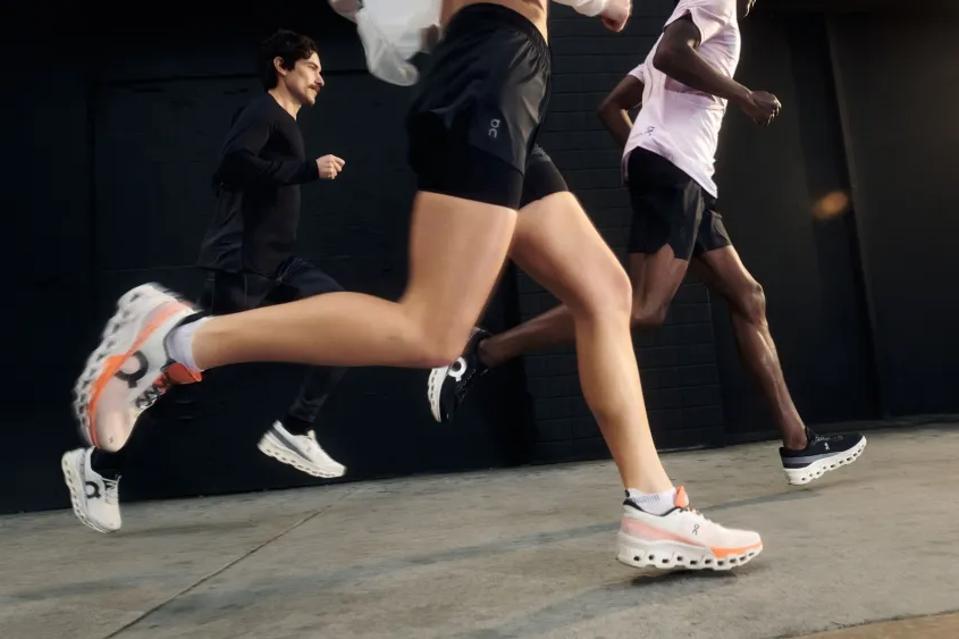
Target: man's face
x,y
305,79
745,6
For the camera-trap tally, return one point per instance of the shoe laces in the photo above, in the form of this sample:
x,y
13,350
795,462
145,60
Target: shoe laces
x,y
111,491
814,437
310,438
693,511
464,382
474,370
468,367
150,396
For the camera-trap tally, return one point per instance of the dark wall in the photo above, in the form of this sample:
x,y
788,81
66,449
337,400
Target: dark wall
x,y
114,189
899,86
113,130
45,193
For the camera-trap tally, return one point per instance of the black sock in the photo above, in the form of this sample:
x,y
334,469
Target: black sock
x,y
297,426
108,464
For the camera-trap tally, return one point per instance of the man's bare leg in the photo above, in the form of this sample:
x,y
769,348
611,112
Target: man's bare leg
x,y
655,279
724,272
805,455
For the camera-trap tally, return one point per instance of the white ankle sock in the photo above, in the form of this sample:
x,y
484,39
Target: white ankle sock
x,y
654,503
179,343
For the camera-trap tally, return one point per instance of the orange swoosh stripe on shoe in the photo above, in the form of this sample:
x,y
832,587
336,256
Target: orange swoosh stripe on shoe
x,y
113,364
722,553
633,526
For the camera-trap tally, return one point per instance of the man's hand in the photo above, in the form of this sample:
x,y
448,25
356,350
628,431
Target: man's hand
x,y
616,14
330,166
761,107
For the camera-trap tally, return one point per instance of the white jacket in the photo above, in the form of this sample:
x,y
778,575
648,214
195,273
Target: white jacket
x,y
393,31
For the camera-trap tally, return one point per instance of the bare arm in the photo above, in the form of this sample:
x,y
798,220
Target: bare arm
x,y
615,107
677,57
614,13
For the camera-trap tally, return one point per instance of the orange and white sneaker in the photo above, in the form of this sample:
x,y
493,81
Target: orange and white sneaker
x,y
682,538
130,369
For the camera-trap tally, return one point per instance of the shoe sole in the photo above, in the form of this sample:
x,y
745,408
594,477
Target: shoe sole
x,y
672,554
118,340
434,387
75,487
815,470
270,447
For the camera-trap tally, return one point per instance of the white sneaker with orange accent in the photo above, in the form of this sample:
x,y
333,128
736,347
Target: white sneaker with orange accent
x,y
127,372
682,538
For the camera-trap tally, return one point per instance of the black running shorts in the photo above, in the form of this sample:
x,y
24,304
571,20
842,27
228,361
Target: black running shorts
x,y
475,118
669,207
542,178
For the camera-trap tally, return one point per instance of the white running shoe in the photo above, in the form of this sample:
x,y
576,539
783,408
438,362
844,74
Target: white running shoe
x,y
682,538
94,497
302,452
821,455
130,369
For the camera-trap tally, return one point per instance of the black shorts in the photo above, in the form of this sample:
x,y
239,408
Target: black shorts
x,y
669,207
541,178
474,121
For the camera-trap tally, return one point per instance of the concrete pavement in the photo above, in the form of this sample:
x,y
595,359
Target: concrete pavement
x,y
525,552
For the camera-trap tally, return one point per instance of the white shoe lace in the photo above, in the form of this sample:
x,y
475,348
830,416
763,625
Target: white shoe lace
x,y
704,518
316,449
156,390
111,491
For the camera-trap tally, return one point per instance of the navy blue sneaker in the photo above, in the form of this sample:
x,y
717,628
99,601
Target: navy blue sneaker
x,y
821,454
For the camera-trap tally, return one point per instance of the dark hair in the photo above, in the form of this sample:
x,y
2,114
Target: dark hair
x,y
285,44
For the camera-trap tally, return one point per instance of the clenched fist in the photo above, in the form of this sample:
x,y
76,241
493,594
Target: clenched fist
x,y
616,14
761,107
330,166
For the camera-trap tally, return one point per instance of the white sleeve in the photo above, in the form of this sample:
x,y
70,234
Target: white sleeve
x,y
709,16
640,73
391,33
585,7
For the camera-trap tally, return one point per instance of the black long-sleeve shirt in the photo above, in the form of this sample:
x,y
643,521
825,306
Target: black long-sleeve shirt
x,y
262,165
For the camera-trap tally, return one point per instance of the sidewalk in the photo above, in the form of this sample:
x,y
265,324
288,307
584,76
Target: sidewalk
x,y
508,553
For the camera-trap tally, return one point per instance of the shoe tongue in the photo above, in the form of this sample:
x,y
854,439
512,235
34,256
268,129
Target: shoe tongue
x,y
682,499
